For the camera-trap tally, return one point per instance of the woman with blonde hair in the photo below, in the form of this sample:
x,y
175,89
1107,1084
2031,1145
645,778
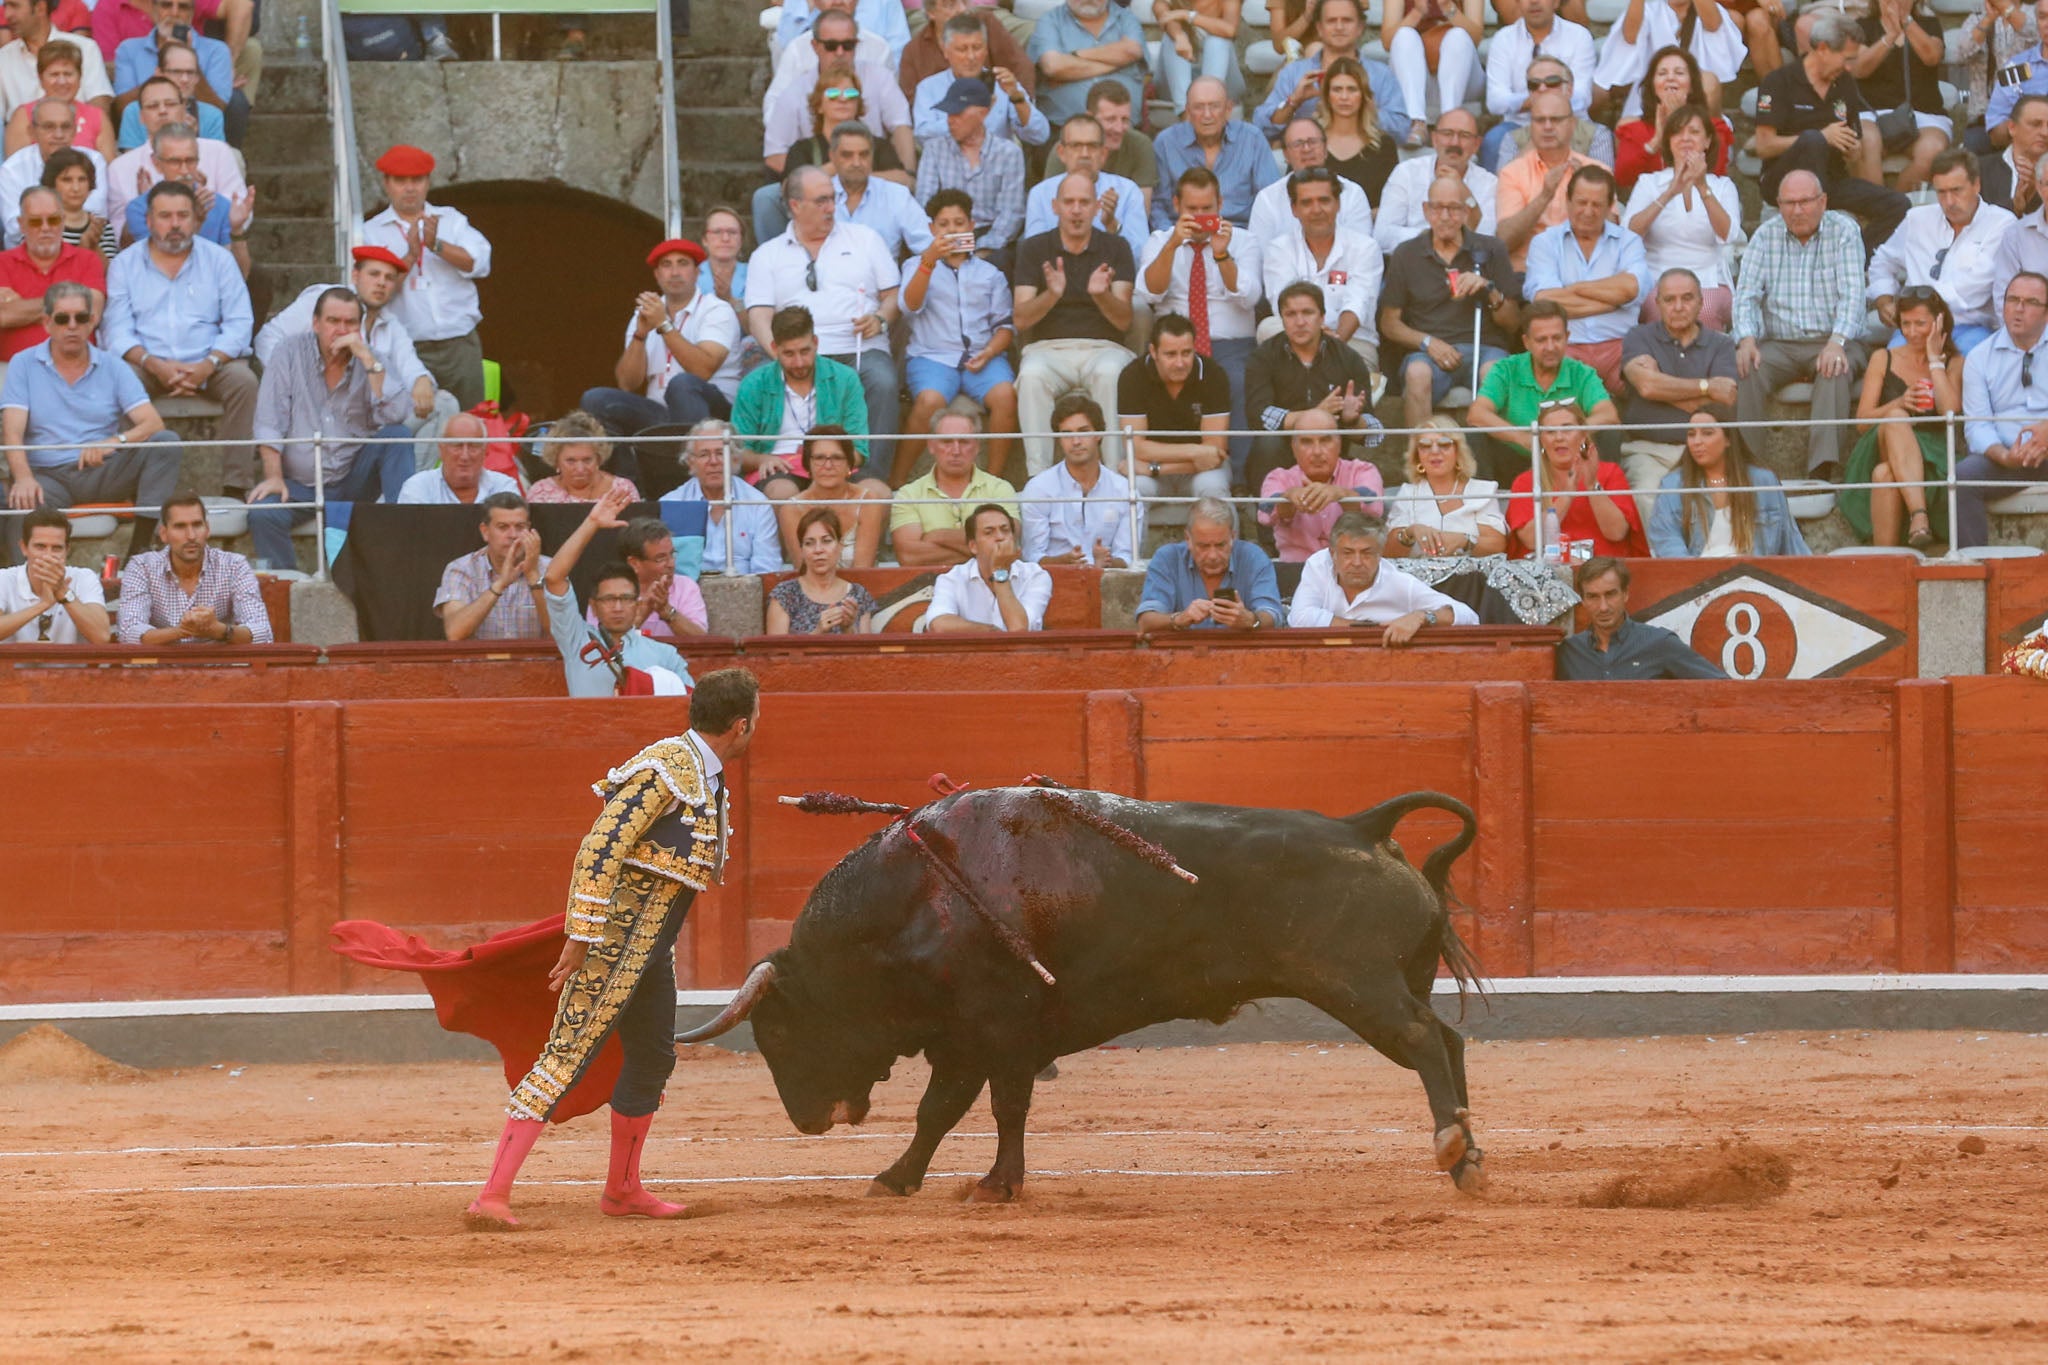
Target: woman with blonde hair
x,y
1359,150
1442,509
862,502
818,601
576,448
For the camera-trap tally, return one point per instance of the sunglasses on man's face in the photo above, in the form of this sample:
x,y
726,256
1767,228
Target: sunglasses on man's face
x,y
1548,82
45,220
838,44
70,319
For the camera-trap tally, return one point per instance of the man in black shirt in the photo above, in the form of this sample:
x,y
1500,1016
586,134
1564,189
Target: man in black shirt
x,y
1299,369
2009,176
1811,116
1072,298
1437,285
1173,388
1618,648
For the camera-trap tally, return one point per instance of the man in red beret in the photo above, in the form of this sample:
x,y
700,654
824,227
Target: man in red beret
x,y
681,362
443,257
375,277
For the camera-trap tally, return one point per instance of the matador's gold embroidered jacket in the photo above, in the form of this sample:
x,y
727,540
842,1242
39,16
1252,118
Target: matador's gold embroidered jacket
x,y
660,816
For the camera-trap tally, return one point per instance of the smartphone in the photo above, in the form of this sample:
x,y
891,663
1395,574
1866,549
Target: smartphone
x,y
1209,222
1226,594
961,241
988,77
182,32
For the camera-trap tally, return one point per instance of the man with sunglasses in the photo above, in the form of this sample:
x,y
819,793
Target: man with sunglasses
x,y
884,18
1950,246
28,271
43,601
51,126
2005,408
1539,32
1404,212
833,54
1590,138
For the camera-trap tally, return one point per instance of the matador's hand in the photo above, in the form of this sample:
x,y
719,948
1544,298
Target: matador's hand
x,y
568,964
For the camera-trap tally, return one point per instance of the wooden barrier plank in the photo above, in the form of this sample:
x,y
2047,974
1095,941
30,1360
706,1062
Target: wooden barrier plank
x,y
1115,738
142,963
313,820
1335,777
1711,708
2015,603
1504,899
1759,777
1993,939
1714,865
1710,941
1306,713
1926,896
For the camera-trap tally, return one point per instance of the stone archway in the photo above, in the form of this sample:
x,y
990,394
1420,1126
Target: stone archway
x,y
565,265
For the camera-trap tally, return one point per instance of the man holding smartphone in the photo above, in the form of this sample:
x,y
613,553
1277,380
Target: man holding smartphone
x,y
960,332
1211,580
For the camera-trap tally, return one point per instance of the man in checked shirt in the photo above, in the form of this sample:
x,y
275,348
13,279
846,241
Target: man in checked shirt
x,y
188,592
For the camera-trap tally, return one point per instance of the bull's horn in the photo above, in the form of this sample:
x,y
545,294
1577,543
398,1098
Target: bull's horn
x,y
743,1001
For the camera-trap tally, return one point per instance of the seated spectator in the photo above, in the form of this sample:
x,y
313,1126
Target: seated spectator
x,y
373,277
1181,394
574,446
1706,32
1585,498
960,332
1302,501
1913,120
1199,37
2005,409
42,259
1441,289
1615,647
160,107
1348,581
925,54
881,203
20,81
600,648
1297,86
1688,218
681,363
1358,149
1594,269
188,592
1424,37
1799,313
59,68
725,265
744,542
839,54
52,122
1299,370
1120,206
323,394
1127,151
1532,192
1306,147
43,601
1211,580
988,170
883,17
1344,264
461,476
1072,298
1705,509
1675,368
1444,508
1403,213
1011,116
2025,244
1079,43
495,593
178,312
174,156
1509,93
671,605
137,58
1227,148
818,601
1811,118
1673,84
835,103
783,401
1997,39
1519,387
1590,139
1921,380
928,520
70,173
837,478
995,589
103,441
2009,179
444,256
1077,512
1206,271
177,64
1951,245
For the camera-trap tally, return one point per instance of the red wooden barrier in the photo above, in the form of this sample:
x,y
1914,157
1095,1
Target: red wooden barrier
x,y
2015,604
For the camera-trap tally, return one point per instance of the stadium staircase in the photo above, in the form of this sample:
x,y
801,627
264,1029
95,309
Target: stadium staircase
x,y
721,73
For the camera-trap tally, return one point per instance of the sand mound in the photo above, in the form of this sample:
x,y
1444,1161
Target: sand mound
x,y
1739,1173
47,1053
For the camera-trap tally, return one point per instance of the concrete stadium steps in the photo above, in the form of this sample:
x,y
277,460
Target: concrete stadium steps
x,y
722,71
723,82
291,163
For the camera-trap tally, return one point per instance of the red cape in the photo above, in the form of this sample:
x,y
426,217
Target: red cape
x,y
496,991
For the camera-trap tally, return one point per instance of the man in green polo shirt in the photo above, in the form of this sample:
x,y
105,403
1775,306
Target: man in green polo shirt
x,y
1516,390
935,532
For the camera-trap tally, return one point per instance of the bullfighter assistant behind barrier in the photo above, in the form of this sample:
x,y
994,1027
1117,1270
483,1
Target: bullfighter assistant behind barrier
x,y
659,840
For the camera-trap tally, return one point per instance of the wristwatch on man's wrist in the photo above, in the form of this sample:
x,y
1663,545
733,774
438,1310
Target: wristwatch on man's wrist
x,y
999,576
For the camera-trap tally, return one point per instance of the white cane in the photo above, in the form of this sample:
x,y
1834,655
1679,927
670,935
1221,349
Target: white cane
x,y
1478,319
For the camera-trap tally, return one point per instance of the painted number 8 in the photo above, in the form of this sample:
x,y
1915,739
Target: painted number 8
x,y
1743,622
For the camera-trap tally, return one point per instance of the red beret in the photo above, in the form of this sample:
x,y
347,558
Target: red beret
x,y
674,246
404,160
380,253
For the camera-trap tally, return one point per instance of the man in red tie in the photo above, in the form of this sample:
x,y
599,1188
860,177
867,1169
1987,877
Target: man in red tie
x,y
1208,272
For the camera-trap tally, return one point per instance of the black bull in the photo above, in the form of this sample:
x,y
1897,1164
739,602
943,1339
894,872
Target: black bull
x,y
889,958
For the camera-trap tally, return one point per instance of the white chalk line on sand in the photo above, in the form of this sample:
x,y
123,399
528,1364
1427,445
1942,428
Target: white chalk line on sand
x,y
1247,1135
680,1180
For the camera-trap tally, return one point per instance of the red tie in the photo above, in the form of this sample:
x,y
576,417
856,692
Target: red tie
x,y
1198,299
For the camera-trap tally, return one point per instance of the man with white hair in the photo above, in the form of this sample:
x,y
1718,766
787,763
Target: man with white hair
x,y
1403,212
1351,582
1811,116
1227,148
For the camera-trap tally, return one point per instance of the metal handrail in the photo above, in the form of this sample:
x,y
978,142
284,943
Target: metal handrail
x,y
347,193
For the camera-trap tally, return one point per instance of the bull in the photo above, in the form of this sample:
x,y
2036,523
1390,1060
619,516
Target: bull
x,y
997,930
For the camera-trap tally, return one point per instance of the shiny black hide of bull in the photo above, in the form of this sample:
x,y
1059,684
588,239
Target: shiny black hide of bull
x,y
889,958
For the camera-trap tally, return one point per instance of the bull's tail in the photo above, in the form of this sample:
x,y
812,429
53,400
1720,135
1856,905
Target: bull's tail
x,y
1377,824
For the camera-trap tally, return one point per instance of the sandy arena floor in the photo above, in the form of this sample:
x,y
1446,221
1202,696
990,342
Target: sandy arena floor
x,y
1184,1204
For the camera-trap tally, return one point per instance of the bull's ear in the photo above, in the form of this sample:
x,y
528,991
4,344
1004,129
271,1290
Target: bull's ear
x,y
743,1001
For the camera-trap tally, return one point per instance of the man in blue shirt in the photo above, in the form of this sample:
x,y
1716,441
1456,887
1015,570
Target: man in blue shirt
x,y
174,150
960,332
747,542
861,196
1616,647
1212,580
135,61
1340,24
595,658
1593,268
1228,148
2006,379
1080,43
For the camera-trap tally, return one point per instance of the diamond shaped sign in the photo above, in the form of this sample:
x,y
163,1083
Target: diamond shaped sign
x,y
1754,624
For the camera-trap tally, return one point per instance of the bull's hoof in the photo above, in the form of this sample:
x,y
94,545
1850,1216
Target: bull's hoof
x,y
1451,1145
988,1192
1468,1176
878,1188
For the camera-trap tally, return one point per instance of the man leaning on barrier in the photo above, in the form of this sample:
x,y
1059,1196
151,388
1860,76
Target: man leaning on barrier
x,y
188,592
496,593
1211,580
43,601
928,521
1616,647
1349,581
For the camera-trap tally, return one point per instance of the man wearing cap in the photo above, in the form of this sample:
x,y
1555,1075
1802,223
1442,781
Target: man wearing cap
x,y
966,48
843,274
134,171
681,362
374,278
444,257
988,170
